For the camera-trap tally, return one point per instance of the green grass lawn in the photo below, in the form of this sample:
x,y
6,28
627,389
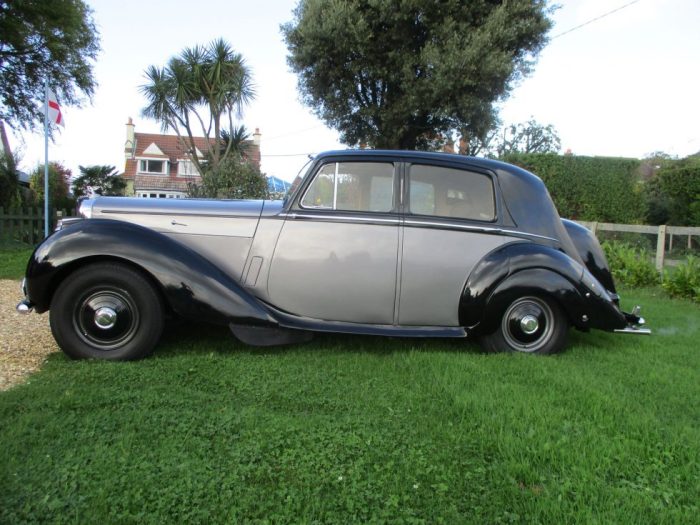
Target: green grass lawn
x,y
13,261
364,430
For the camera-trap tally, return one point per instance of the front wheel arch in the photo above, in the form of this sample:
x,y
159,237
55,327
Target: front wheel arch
x,y
80,264
106,311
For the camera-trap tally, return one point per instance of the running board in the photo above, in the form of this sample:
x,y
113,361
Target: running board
x,y
286,320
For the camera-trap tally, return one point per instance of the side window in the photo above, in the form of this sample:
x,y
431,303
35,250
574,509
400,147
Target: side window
x,y
449,192
352,186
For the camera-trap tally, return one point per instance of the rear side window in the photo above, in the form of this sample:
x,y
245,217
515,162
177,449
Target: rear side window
x,y
450,192
352,186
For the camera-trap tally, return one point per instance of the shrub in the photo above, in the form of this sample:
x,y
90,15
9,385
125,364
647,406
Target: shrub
x,y
629,265
234,178
684,281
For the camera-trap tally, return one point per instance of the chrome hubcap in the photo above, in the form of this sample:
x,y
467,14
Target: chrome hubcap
x,y
529,324
105,318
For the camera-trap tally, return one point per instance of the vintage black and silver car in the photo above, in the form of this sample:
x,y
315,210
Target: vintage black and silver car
x,y
368,242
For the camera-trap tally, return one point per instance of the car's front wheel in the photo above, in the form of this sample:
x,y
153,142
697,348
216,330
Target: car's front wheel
x,y
531,324
106,311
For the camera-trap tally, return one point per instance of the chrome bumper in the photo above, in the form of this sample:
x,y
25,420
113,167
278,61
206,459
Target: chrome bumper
x,y
24,307
634,324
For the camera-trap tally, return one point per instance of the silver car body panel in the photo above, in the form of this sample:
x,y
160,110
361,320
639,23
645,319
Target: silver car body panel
x,y
222,231
434,269
335,270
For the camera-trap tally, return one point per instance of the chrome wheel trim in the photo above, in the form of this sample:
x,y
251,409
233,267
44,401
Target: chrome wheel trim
x,y
528,324
106,318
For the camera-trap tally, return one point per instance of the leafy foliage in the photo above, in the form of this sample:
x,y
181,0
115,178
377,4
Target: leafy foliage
x,y
233,178
59,184
684,280
9,187
589,188
44,39
203,86
630,266
528,137
674,194
100,180
400,74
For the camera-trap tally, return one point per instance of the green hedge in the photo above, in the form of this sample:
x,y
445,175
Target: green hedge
x,y
604,189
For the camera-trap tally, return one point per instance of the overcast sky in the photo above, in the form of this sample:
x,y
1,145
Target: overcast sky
x,y
624,85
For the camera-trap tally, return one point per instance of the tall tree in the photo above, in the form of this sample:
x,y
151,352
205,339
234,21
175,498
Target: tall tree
x,y
396,74
54,40
201,89
100,180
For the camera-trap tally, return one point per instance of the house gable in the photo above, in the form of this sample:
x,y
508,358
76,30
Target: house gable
x,y
153,149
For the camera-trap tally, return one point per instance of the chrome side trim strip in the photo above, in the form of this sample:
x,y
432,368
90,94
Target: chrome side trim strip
x,y
481,229
179,213
342,218
493,230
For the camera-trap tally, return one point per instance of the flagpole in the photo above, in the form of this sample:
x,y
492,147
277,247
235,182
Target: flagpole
x,y
46,157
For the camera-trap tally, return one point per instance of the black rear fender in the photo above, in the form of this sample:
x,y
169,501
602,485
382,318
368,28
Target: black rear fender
x,y
192,286
523,268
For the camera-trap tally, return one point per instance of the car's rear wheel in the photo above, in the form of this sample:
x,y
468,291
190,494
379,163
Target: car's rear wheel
x,y
531,324
106,311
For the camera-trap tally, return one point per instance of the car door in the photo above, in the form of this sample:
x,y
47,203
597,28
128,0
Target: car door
x,y
449,225
336,255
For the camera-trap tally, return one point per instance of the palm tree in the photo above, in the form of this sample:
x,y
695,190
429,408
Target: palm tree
x,y
205,86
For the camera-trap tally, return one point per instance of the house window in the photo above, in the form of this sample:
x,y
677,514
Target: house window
x,y
186,167
152,166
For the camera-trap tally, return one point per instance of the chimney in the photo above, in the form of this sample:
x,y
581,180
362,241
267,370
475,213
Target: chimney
x,y
130,144
256,137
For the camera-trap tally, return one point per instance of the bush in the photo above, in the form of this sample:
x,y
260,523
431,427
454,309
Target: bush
x,y
629,265
674,195
234,178
684,281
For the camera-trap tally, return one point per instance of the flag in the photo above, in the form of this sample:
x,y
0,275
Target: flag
x,y
55,114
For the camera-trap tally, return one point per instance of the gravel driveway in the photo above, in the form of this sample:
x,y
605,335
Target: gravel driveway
x,y
25,340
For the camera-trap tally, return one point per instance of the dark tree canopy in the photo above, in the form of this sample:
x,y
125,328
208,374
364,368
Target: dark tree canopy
x,y
398,74
44,39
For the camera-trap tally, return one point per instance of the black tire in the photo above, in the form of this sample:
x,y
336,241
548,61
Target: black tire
x,y
531,324
106,311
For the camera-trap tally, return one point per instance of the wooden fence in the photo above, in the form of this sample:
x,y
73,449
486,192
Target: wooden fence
x,y
663,234
26,225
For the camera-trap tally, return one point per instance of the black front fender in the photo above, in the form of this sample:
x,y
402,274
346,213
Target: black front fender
x,y
193,286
